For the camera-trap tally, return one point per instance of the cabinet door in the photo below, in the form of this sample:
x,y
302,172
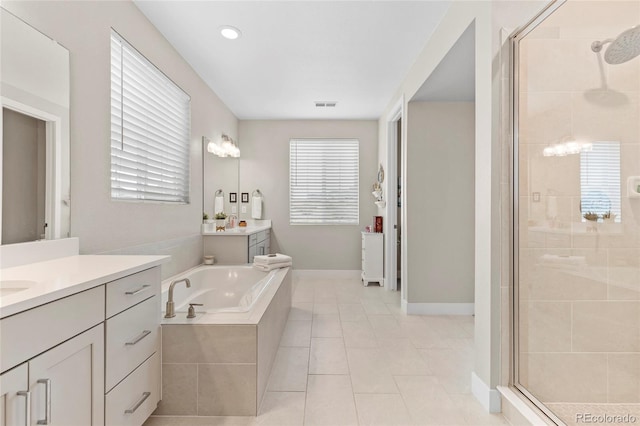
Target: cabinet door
x,y
67,382
253,250
14,405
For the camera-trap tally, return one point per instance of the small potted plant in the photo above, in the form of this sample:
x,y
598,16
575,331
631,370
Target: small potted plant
x,y
205,218
220,221
608,217
591,216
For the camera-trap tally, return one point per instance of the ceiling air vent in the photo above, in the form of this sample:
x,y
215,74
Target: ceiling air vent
x,y
325,104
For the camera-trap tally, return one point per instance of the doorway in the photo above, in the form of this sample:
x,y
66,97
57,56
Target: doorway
x,y
395,204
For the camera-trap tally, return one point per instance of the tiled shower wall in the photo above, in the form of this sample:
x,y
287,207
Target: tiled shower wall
x,y
579,281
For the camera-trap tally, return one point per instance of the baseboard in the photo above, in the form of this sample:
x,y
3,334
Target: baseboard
x,y
438,308
326,273
488,398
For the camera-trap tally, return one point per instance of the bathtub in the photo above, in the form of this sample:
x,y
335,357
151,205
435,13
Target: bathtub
x,y
219,289
218,363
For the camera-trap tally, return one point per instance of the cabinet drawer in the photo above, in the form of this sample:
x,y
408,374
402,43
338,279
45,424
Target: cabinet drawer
x,y
136,397
132,337
253,239
132,289
29,333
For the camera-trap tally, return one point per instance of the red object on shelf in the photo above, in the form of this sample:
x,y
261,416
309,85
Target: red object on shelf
x,y
377,221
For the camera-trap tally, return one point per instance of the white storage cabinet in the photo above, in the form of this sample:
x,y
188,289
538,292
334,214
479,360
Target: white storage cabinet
x,y
372,258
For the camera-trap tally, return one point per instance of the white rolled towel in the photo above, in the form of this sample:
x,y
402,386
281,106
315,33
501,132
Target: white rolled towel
x,y
218,204
269,259
256,207
272,266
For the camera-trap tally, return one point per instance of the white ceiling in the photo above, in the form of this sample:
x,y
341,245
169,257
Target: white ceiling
x,y
293,53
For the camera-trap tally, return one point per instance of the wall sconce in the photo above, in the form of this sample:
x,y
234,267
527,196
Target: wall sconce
x,y
224,147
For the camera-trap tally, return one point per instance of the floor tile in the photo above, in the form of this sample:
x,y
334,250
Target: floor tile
x,y
330,401
301,311
427,402
326,325
382,410
328,356
296,333
351,312
359,334
290,369
282,408
370,371
325,308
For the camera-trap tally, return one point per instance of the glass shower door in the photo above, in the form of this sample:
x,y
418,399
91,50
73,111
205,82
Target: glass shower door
x,y
577,239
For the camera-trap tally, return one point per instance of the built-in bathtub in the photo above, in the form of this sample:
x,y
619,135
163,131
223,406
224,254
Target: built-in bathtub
x,y
218,363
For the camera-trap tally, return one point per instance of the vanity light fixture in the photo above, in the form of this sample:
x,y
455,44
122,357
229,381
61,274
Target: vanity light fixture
x,y
567,147
230,33
224,147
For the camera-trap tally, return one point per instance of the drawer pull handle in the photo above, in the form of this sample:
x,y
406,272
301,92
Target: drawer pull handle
x,y
138,291
27,405
133,409
47,397
138,338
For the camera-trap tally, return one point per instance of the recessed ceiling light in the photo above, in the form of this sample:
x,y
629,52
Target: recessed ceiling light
x,y
229,32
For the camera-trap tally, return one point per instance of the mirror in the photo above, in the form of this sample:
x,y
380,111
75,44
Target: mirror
x,y
35,165
220,173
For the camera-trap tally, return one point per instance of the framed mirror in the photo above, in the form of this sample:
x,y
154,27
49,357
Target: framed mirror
x,y
219,173
35,174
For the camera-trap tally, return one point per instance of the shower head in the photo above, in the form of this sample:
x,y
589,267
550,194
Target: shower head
x,y
623,48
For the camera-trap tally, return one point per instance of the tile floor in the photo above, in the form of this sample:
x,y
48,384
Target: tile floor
x,y
349,356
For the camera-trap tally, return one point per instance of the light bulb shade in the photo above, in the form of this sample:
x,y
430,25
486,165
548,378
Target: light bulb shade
x,y
225,147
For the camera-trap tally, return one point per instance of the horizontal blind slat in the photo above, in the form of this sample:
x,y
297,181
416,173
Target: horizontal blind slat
x,y
150,130
324,181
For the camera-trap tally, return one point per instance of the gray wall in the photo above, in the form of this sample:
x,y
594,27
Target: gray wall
x,y
23,180
440,202
104,225
264,165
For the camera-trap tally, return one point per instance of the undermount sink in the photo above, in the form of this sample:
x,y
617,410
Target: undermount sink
x,y
8,287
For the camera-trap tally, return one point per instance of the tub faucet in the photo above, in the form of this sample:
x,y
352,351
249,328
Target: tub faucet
x,y
169,312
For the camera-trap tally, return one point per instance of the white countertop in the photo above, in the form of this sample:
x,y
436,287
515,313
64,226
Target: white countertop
x,y
65,276
253,226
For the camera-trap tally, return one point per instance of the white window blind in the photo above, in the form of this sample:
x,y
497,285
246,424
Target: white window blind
x,y
150,130
324,182
600,179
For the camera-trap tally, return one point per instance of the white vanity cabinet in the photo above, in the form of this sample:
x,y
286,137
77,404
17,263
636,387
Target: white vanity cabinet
x,y
132,379
65,380
87,358
372,258
259,244
15,399
238,246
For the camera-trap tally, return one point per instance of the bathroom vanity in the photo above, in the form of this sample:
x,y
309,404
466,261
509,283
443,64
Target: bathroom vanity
x,y
80,340
238,245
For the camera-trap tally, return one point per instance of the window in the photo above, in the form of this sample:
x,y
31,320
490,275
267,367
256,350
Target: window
x,y
600,179
150,130
324,182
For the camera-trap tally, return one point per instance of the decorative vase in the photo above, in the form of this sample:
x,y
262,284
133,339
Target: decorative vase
x,y
220,224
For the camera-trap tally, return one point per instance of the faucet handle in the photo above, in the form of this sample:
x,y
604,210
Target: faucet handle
x,y
191,313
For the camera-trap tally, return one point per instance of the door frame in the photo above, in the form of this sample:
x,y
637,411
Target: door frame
x,y
391,247
53,164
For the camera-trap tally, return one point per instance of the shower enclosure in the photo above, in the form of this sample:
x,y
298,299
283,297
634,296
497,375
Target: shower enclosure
x,y
577,212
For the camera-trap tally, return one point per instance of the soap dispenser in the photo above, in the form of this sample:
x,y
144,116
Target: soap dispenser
x,y
191,313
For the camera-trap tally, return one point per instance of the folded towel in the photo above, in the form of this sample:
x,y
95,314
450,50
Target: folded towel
x,y
269,259
272,266
218,204
256,207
